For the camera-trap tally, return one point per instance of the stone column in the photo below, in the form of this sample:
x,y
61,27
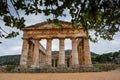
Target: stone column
x,y
36,54
61,62
48,54
80,51
29,58
75,61
24,55
87,55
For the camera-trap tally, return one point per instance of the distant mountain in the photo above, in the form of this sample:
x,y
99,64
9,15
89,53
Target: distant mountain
x,y
10,60
68,52
111,57
15,59
94,54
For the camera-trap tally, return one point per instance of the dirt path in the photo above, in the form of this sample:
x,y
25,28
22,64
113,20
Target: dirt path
x,y
111,75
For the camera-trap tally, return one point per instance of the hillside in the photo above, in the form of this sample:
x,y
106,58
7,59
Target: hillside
x,y
9,60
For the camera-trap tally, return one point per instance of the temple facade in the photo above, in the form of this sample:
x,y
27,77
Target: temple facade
x,y
34,55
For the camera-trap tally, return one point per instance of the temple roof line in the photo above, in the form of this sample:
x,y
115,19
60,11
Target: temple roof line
x,y
52,25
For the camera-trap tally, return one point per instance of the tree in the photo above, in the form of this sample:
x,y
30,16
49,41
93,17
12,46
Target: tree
x,y
111,57
116,56
102,16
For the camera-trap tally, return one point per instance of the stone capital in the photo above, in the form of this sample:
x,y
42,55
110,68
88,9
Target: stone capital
x,y
73,38
25,38
48,38
61,38
36,38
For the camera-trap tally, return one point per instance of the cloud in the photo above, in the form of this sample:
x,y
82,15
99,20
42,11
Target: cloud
x,y
34,19
104,46
11,46
68,44
14,45
55,44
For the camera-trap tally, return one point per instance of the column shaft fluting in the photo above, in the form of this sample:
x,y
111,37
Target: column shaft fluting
x,y
61,53
36,53
74,52
87,56
48,53
80,51
25,50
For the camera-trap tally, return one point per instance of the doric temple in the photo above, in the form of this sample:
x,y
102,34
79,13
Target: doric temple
x,y
34,55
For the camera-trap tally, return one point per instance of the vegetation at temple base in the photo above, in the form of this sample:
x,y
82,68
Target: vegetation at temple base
x,y
102,16
10,67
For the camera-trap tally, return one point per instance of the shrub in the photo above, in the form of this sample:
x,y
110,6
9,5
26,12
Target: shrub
x,y
9,68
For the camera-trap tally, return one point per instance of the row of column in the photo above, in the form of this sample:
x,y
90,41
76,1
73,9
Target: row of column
x,y
61,59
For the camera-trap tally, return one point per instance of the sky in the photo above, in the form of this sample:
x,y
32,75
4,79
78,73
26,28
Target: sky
x,y
14,46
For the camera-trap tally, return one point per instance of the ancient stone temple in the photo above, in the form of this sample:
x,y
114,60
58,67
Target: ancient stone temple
x,y
34,55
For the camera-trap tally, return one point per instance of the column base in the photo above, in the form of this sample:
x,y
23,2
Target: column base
x,y
48,66
35,66
23,66
86,65
62,66
75,66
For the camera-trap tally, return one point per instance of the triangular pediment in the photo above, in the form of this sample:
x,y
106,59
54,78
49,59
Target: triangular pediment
x,y
47,25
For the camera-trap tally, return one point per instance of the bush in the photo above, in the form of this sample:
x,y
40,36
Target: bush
x,y
105,67
9,68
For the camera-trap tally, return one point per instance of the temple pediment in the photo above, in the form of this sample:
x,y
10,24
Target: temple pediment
x,y
53,30
47,25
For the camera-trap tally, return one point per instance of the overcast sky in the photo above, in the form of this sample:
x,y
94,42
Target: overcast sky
x,y
13,46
